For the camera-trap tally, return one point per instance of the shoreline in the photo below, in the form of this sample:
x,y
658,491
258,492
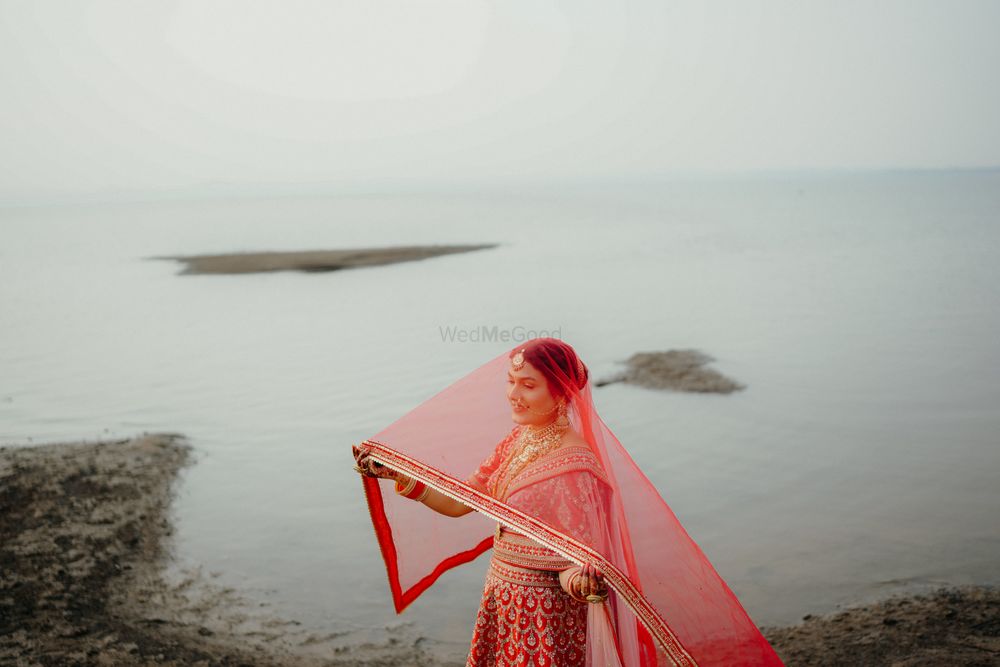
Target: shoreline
x,y
84,540
85,536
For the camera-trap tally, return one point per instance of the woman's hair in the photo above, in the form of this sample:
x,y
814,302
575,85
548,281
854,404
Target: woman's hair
x,y
564,371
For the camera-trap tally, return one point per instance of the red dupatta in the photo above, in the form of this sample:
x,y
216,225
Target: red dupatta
x,y
667,605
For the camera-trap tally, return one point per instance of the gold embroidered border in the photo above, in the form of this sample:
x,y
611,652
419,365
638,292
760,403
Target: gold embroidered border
x,y
577,454
568,459
523,576
576,551
521,550
507,452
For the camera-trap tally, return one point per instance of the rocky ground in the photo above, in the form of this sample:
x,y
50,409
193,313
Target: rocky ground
x,y
950,627
84,535
679,370
84,538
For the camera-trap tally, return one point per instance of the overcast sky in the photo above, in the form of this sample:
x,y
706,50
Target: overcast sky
x,y
153,96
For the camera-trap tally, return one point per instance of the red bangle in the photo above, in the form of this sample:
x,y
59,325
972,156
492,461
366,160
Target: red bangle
x,y
569,584
418,489
412,489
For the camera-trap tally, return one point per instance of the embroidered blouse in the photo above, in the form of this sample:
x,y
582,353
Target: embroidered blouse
x,y
567,486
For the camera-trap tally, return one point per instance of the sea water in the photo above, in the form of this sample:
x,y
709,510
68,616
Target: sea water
x,y
860,311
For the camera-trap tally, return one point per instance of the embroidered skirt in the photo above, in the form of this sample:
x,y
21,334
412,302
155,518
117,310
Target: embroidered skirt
x,y
525,619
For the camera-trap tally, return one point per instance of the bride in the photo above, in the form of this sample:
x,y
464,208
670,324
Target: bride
x,y
588,566
534,606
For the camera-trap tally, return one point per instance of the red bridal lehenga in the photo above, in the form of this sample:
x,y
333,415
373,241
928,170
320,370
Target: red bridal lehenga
x,y
525,617
582,503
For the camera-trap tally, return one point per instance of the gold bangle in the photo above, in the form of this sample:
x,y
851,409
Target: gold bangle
x,y
569,584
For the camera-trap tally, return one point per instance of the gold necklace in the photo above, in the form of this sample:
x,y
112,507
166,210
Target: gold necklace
x,y
531,445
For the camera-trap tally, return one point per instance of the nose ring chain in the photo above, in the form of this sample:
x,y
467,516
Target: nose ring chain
x,y
548,412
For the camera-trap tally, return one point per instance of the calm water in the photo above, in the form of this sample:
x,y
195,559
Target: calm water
x,y
860,311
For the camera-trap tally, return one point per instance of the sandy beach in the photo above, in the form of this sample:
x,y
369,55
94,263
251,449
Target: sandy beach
x,y
86,536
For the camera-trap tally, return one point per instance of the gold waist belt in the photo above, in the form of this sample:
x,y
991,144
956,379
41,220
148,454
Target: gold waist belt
x,y
523,576
521,551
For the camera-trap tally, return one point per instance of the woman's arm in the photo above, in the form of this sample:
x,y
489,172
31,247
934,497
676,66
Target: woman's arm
x,y
408,487
442,504
433,499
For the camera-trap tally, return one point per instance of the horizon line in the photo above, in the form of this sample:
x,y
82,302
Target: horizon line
x,y
241,190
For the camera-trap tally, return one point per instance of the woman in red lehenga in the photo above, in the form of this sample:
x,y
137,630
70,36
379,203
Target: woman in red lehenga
x,y
589,565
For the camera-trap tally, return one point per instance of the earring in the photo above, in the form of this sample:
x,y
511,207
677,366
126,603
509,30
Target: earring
x,y
562,420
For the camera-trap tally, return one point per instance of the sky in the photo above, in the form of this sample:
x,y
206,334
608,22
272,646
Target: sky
x,y
101,99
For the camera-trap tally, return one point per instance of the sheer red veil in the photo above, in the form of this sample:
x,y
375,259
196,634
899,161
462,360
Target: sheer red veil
x,y
667,606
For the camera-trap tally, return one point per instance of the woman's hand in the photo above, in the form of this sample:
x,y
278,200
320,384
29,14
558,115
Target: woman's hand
x,y
437,501
369,467
590,582
581,582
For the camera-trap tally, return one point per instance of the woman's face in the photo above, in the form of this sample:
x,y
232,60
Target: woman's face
x,y
529,396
